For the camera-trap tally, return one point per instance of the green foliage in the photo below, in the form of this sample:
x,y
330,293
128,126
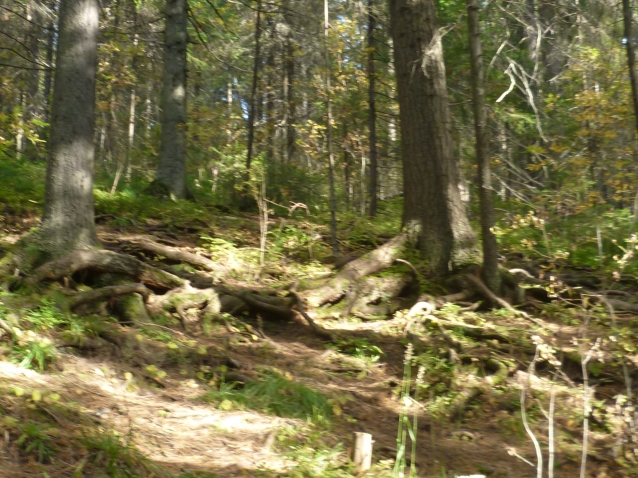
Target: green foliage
x,y
46,316
275,394
34,438
439,371
22,188
129,207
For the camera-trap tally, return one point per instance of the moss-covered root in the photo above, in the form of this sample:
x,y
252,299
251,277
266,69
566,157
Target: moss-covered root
x,y
104,261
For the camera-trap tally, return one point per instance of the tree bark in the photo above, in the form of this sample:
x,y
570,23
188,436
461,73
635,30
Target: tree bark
x,y
432,199
631,53
171,170
491,271
48,74
372,114
68,219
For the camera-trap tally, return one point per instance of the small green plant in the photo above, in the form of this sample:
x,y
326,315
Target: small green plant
x,y
450,311
35,439
274,394
439,371
405,427
313,458
34,354
117,457
78,328
360,348
198,474
46,316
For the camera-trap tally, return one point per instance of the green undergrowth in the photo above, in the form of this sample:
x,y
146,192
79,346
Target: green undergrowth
x,y
569,241
276,394
22,188
31,420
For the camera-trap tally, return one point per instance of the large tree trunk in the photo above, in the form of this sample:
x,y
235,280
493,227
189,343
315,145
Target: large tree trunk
x,y
331,158
171,170
246,196
491,271
628,17
68,219
372,119
432,198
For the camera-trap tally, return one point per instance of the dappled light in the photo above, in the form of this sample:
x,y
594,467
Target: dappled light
x,y
318,239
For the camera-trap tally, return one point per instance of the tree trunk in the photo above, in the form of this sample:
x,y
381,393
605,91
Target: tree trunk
x,y
432,199
631,54
251,112
491,271
331,158
372,115
171,170
68,219
290,100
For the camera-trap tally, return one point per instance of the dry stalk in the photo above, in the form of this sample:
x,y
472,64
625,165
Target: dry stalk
x,y
551,444
537,447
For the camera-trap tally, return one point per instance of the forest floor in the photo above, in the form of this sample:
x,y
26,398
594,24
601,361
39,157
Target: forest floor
x,y
245,396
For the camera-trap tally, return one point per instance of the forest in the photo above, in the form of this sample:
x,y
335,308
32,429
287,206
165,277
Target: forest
x,y
338,238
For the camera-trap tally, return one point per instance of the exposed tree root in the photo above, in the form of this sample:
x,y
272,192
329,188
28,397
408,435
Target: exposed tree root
x,y
262,305
8,329
175,254
376,290
104,261
320,331
87,343
622,305
371,263
500,375
108,292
